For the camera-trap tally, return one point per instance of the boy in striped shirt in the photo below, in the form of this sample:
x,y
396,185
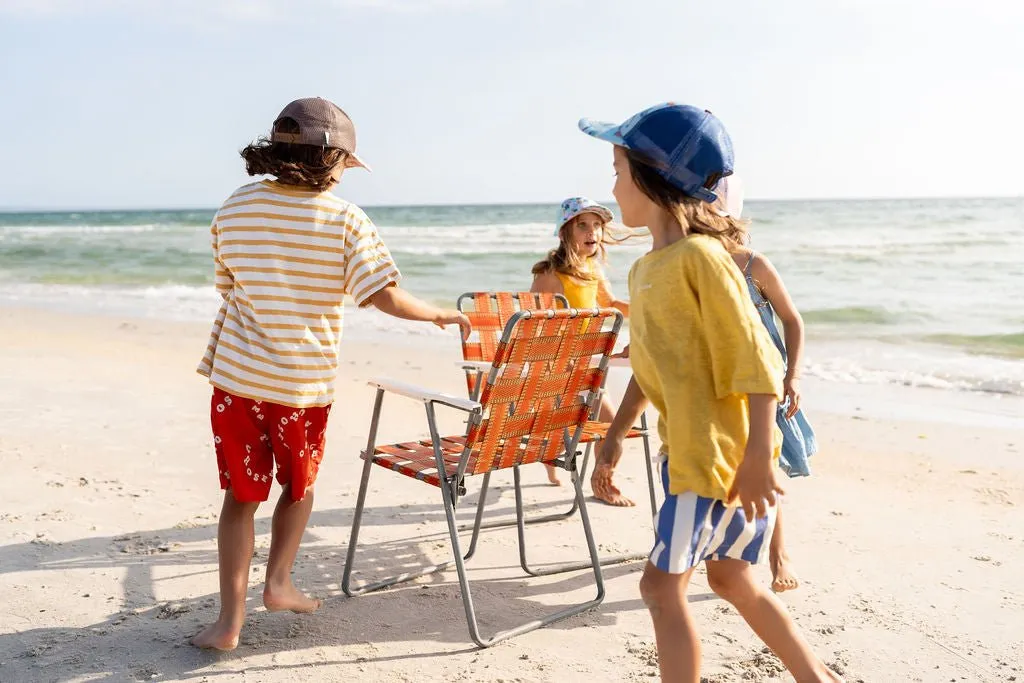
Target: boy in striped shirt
x,y
286,252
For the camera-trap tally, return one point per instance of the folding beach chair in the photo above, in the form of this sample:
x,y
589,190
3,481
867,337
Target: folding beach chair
x,y
547,373
489,312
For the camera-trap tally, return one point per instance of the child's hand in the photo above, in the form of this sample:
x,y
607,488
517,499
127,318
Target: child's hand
x,y
601,480
451,316
605,489
791,393
755,483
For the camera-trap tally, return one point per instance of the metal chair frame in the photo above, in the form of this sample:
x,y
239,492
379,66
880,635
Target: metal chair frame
x,y
480,450
505,304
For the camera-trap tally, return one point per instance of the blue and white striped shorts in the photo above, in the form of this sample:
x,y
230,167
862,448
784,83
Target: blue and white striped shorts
x,y
692,528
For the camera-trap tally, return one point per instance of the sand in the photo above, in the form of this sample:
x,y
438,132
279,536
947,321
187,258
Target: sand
x,y
908,539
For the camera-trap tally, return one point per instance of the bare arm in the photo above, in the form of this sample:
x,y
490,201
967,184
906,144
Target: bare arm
x,y
605,298
633,404
762,423
755,484
397,302
547,282
775,292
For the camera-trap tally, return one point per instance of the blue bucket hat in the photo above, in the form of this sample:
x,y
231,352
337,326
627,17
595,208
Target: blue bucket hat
x,y
685,145
574,206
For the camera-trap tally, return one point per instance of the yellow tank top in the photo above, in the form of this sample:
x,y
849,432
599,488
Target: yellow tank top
x,y
580,293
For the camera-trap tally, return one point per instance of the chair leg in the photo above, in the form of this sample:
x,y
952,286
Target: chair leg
x,y
565,566
352,591
477,526
346,579
553,517
652,488
467,597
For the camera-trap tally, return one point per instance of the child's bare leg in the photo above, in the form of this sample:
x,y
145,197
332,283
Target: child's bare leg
x,y
553,475
610,493
289,524
674,630
783,578
235,540
734,581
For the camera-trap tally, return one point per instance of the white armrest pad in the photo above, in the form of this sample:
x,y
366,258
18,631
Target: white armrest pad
x,y
420,394
478,365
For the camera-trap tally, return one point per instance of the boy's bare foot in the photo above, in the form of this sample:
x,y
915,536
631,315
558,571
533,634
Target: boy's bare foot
x,y
289,598
782,578
553,475
217,636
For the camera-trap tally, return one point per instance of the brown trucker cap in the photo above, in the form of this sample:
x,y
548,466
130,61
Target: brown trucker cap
x,y
321,123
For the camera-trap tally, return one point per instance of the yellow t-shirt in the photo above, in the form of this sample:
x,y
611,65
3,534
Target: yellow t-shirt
x,y
697,347
581,293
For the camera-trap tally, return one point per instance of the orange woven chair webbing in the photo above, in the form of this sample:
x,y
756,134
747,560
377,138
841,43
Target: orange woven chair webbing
x,y
416,458
490,313
546,372
595,431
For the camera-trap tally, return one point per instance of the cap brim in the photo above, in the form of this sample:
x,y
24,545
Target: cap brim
x,y
602,130
355,162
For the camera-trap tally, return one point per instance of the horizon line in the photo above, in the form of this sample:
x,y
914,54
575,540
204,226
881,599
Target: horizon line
x,y
437,205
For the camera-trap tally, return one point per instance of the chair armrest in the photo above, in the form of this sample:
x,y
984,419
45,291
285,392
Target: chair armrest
x,y
477,365
420,394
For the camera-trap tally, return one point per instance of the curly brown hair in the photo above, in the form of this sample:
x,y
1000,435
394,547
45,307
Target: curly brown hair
x,y
695,215
307,166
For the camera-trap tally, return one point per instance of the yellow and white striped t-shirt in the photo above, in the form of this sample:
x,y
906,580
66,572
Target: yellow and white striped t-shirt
x,y
285,259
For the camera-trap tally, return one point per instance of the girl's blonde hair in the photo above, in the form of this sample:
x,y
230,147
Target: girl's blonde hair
x,y
562,259
695,215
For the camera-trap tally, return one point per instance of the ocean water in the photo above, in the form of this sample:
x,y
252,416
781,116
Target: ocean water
x,y
913,292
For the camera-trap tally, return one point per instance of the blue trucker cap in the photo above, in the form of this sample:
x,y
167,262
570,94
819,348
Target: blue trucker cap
x,y
685,145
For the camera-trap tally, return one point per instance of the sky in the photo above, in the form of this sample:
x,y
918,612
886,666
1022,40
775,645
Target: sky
x,y
145,103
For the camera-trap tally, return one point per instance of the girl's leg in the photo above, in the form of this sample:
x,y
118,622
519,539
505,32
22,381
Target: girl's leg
x,y
674,630
734,581
290,518
553,475
783,579
610,493
235,540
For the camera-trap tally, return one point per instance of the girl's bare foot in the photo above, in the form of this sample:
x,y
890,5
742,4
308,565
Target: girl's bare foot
x,y
218,636
783,579
288,597
553,475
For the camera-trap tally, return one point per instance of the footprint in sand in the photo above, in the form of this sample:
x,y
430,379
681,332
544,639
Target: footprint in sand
x,y
173,610
999,496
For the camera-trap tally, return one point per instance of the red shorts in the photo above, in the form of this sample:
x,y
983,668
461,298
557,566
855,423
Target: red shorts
x,y
249,436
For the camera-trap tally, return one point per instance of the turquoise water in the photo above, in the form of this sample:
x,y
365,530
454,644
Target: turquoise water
x,y
911,291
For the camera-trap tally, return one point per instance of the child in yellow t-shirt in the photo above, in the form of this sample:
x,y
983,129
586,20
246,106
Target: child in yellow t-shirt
x,y
701,355
573,269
